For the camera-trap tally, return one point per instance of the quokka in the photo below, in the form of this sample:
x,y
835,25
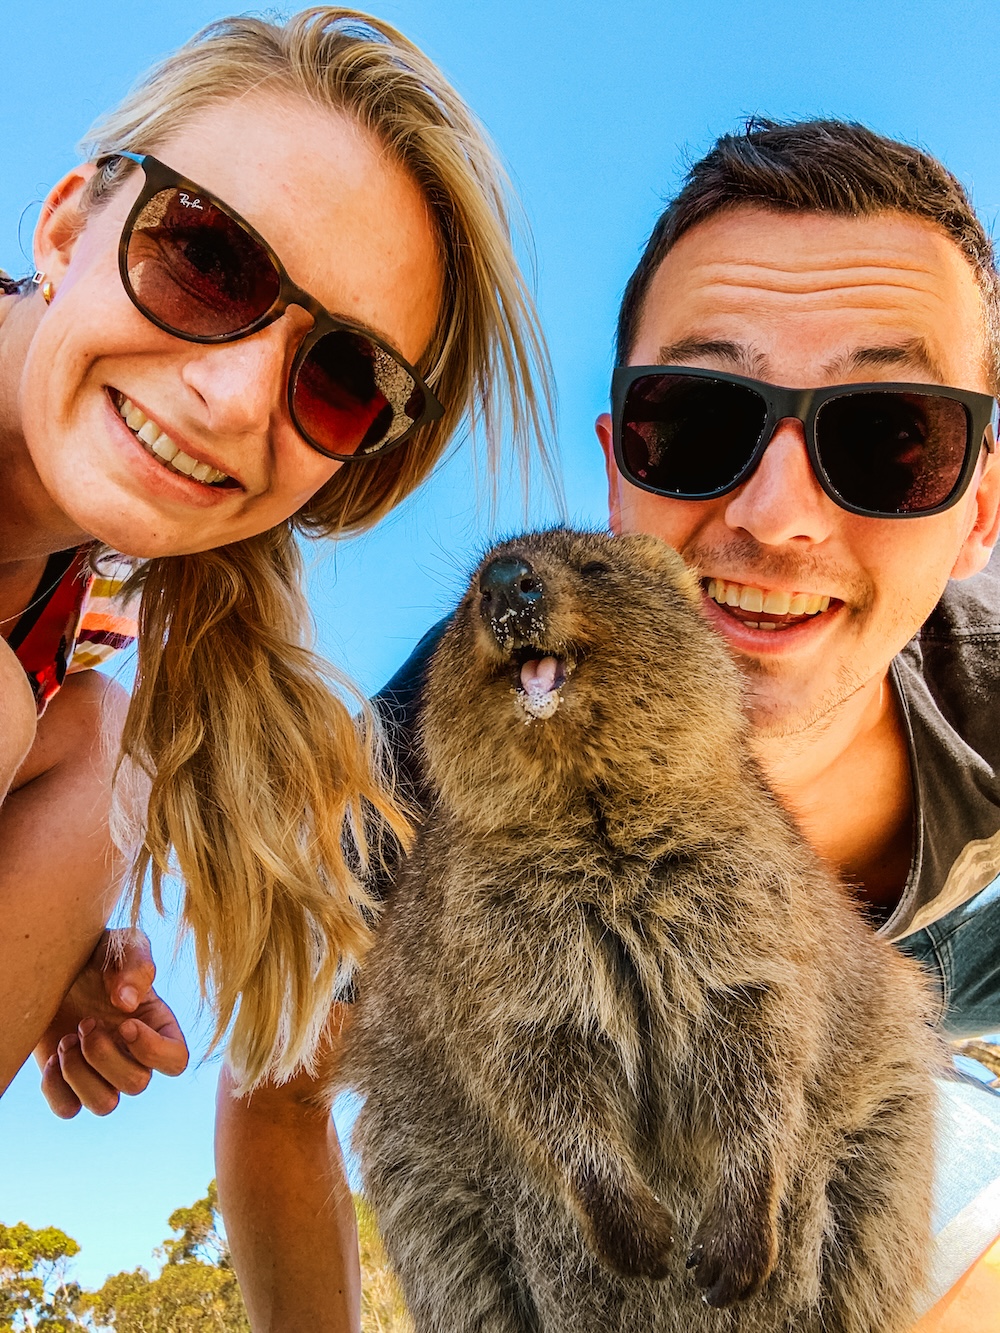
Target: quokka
x,y
632,1059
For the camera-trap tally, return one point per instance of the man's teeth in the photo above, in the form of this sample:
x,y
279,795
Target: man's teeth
x,y
159,443
766,603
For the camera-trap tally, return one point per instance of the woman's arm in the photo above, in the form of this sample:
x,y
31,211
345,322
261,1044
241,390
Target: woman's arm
x,y
287,1205
58,871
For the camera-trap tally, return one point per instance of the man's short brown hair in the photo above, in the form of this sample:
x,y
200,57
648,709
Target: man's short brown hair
x,y
819,166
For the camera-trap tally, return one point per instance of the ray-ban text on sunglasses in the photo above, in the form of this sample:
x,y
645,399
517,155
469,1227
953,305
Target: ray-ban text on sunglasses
x,y
199,271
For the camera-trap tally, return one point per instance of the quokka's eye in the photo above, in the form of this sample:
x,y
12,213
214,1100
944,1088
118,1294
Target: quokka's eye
x,y
593,568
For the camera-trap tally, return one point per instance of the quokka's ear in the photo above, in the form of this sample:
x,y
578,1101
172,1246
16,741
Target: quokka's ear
x,y
657,555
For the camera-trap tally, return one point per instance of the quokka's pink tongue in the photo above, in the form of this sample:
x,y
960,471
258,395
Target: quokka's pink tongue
x,y
539,676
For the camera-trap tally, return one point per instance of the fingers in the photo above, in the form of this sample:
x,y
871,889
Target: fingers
x,y
128,968
160,1046
105,1062
77,1082
61,1098
95,1066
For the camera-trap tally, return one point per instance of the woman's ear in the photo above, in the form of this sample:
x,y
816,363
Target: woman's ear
x,y
61,223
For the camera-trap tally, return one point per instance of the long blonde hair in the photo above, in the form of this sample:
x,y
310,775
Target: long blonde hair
x,y
262,784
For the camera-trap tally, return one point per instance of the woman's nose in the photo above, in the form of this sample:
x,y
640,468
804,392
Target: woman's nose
x,y
242,384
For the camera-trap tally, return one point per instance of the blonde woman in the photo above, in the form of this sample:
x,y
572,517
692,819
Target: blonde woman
x,y
263,305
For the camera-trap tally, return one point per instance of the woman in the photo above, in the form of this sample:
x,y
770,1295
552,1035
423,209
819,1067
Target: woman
x,y
263,305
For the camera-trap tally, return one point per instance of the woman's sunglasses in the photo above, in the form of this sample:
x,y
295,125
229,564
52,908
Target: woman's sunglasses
x,y
194,268
882,450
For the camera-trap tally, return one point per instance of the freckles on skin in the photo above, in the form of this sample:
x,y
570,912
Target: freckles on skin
x,y
225,405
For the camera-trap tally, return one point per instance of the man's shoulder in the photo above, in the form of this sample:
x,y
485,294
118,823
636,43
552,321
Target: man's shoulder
x,y
398,705
399,698
948,677
950,670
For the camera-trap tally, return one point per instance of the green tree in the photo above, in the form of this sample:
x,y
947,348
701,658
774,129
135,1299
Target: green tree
x,y
196,1291
35,1292
382,1307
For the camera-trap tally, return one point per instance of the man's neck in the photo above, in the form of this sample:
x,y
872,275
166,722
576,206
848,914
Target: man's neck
x,y
847,783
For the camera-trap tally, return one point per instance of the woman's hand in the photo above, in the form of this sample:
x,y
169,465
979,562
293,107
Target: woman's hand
x,y
111,1031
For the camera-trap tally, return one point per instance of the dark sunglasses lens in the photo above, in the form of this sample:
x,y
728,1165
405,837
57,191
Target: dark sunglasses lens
x,y
687,435
195,270
894,452
350,396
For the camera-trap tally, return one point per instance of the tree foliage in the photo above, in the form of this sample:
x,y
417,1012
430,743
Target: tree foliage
x,y
382,1307
34,1290
195,1292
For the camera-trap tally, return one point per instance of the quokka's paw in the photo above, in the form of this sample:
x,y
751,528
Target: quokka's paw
x,y
732,1260
630,1232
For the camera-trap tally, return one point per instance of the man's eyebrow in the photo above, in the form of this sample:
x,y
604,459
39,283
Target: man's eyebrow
x,y
914,352
748,359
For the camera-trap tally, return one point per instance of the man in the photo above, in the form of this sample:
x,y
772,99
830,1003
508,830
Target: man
x,y
806,256
815,255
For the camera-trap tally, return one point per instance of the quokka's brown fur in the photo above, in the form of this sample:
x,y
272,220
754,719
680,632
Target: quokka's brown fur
x,y
630,1055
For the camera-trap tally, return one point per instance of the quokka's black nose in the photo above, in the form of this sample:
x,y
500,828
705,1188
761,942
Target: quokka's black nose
x,y
509,589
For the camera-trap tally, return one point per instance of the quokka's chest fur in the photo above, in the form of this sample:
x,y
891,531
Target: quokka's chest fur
x,y
625,1044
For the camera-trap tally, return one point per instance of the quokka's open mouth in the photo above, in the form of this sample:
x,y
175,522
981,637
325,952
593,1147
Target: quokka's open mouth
x,y
540,681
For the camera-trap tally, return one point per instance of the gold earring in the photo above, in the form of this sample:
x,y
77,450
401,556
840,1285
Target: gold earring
x,y
48,291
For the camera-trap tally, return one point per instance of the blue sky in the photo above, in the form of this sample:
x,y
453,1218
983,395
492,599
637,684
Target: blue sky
x,y
595,108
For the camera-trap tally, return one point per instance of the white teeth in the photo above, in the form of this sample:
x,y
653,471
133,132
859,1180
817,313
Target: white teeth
x,y
165,448
184,462
160,444
777,603
771,602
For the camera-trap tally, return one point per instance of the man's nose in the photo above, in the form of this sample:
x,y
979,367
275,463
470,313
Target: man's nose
x,y
242,384
782,501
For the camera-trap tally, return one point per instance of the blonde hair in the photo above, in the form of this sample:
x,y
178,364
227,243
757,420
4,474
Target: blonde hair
x,y
262,785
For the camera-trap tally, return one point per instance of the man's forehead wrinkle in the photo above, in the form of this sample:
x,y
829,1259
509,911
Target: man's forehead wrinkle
x,y
808,276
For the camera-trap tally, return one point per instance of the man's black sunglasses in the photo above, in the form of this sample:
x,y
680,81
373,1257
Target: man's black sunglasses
x,y
883,450
196,269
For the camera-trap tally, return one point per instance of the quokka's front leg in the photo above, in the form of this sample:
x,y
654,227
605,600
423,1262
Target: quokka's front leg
x,y
451,1246
570,1111
755,1117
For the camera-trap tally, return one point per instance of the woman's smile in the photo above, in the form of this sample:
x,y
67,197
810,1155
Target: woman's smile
x,y
163,446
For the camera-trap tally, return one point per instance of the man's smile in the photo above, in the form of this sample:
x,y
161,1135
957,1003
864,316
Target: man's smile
x,y
766,608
